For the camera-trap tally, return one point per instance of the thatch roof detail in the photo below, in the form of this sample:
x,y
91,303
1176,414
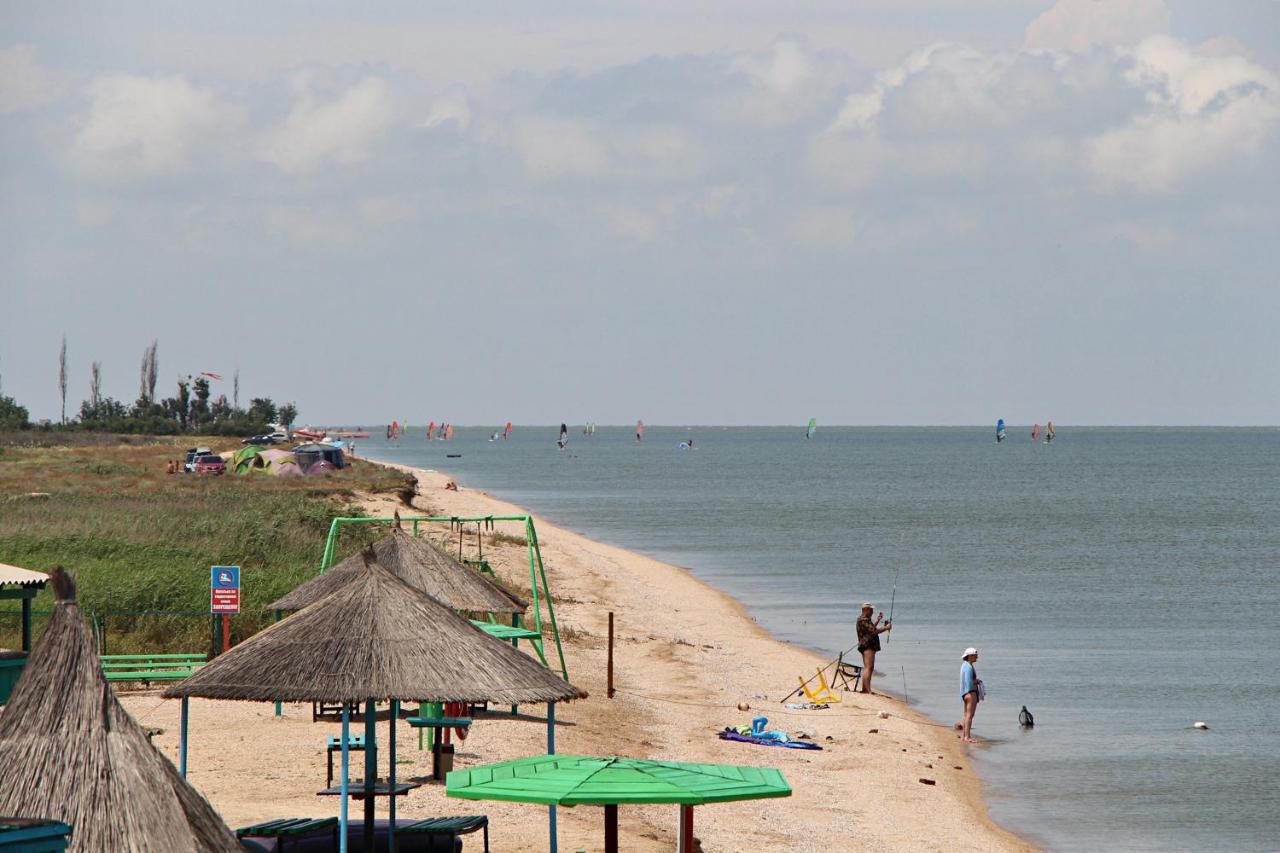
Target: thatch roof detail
x,y
422,566
376,637
69,751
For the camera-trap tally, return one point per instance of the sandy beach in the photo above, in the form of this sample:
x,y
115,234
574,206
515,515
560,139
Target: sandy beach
x,y
686,656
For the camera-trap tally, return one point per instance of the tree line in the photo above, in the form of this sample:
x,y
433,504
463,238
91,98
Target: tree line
x,y
193,408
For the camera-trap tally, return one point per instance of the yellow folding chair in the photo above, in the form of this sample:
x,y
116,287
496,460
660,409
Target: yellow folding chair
x,y
823,695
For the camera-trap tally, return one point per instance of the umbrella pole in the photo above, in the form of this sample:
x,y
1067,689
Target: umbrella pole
x,y
391,773
611,828
686,830
551,750
346,767
182,738
370,771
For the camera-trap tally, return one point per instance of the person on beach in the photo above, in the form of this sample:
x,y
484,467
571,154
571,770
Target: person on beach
x,y
869,632
971,693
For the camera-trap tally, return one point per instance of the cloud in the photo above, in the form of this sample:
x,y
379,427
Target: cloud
x,y
1077,25
24,84
450,107
1205,110
552,148
141,127
342,130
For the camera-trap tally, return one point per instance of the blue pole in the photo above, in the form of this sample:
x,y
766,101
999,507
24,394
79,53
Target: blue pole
x,y
346,759
182,741
391,774
551,750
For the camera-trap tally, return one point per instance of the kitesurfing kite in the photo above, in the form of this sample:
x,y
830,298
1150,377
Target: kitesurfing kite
x,y
210,375
813,427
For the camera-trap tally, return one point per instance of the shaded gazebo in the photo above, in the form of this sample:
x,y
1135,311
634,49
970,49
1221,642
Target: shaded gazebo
x,y
69,751
375,638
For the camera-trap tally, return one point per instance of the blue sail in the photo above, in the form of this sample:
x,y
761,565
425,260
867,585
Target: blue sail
x,y
1000,429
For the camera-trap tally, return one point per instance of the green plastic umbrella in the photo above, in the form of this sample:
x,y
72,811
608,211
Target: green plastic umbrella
x,y
582,780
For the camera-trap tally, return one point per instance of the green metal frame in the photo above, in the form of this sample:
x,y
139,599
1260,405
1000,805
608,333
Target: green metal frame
x,y
537,572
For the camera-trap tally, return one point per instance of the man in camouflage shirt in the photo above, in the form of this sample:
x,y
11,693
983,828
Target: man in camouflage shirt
x,y
869,631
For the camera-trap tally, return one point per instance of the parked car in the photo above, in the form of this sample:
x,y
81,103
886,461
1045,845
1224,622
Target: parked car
x,y
267,438
194,453
210,465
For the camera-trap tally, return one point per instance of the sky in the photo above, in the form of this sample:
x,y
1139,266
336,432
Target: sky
x,y
884,212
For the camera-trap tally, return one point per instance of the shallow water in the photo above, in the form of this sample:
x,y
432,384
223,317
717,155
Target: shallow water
x,y
1121,583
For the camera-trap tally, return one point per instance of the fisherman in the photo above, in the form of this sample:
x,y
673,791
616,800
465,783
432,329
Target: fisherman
x,y
972,692
869,632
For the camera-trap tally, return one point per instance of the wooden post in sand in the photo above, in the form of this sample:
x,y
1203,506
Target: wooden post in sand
x,y
609,691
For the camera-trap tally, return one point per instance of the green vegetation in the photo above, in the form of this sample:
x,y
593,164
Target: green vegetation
x,y
139,539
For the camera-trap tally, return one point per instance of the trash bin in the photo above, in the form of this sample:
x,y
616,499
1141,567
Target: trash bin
x,y
443,761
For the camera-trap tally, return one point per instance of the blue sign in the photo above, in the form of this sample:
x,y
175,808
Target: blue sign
x,y
224,577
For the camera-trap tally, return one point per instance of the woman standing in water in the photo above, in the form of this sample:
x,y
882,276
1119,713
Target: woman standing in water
x,y
971,692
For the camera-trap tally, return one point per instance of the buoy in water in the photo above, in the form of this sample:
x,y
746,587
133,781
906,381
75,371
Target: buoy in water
x,y
1200,724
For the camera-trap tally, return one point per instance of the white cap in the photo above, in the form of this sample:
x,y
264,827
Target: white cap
x,y
969,651
867,605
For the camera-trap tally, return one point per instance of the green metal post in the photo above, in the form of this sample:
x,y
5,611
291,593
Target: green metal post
x,y
26,624
551,610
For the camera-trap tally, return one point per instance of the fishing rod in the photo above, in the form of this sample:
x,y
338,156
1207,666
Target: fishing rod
x,y
892,599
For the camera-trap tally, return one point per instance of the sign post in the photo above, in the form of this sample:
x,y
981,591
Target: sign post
x,y
224,598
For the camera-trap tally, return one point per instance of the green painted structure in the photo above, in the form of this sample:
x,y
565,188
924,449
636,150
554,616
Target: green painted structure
x,y
580,780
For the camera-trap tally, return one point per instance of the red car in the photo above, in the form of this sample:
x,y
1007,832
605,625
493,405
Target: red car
x,y
210,465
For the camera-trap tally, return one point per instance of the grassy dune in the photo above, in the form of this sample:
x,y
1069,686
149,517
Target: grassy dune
x,y
139,539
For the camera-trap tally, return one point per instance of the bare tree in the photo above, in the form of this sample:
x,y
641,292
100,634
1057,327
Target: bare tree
x,y
147,377
62,377
235,389
95,384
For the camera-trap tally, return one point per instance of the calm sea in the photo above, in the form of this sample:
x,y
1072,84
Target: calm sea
x,y
1120,583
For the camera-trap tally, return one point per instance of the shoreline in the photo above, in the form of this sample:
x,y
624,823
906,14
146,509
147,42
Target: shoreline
x,y
968,806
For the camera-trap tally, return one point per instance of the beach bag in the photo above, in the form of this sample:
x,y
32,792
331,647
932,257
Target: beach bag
x,y
982,689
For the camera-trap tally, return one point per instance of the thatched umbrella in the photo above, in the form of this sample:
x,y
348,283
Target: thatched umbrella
x,y
375,638
422,566
69,751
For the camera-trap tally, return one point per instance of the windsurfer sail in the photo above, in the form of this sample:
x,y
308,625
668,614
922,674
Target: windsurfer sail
x,y
1048,432
431,428
564,436
1035,432
506,433
1000,430
813,427
639,430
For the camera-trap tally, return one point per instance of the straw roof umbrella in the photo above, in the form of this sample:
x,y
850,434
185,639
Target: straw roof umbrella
x,y
422,566
69,751
375,638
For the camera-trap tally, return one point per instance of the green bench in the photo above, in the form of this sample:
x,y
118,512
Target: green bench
x,y
297,828
286,828
149,668
506,632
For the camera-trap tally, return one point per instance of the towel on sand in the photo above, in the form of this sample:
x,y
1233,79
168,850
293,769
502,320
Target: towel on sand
x,y
732,735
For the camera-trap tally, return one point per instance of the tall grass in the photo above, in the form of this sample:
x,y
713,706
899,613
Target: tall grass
x,y
140,540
